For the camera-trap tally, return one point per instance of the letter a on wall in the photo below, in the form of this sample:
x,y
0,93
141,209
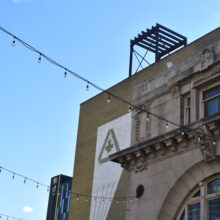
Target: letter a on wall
x,y
109,146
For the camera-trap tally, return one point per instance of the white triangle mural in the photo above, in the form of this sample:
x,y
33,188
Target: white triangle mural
x,y
111,137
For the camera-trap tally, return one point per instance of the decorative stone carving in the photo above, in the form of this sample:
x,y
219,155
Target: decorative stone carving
x,y
181,139
176,91
207,58
205,143
215,72
154,150
142,123
140,165
161,148
171,143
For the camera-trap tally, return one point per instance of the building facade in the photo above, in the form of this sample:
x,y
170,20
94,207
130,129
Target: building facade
x,y
59,198
164,152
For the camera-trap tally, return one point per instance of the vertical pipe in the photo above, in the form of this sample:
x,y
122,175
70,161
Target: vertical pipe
x,y
157,40
130,62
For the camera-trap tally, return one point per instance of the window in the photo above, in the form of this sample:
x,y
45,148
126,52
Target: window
x,y
187,109
211,99
207,195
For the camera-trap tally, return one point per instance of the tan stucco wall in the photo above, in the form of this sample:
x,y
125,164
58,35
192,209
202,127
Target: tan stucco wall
x,y
97,111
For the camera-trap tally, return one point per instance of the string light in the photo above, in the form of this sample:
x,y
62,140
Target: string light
x,y
167,125
13,176
87,87
183,133
13,42
39,59
28,46
148,117
97,87
199,139
214,142
65,74
86,197
129,108
109,99
9,217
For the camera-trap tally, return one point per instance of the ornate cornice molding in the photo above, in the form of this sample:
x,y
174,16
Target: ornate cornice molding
x,y
138,157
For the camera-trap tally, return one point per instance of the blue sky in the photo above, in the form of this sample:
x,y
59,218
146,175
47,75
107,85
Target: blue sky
x,y
39,107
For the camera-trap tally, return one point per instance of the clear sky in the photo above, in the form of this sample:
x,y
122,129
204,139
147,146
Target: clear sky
x,y
39,109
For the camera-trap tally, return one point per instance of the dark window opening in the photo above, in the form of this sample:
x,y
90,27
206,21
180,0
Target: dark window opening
x,y
211,100
139,191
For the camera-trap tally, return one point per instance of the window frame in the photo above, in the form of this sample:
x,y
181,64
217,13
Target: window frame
x,y
202,101
186,110
203,199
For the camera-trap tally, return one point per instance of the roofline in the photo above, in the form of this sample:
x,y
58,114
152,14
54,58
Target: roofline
x,y
150,66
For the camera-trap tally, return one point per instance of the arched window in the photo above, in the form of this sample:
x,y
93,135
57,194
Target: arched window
x,y
203,203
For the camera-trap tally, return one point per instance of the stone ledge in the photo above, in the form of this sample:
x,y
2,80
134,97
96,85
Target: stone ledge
x,y
138,156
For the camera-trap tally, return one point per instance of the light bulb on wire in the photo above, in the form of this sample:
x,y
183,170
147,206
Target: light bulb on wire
x,y
87,87
39,59
109,99
129,108
65,74
13,42
148,117
167,125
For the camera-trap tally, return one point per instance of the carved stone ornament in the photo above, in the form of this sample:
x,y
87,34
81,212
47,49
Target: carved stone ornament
x,y
142,124
213,73
206,53
206,58
205,143
176,91
137,162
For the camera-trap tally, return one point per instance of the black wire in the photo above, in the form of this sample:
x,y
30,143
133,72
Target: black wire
x,y
182,128
10,217
65,191
22,176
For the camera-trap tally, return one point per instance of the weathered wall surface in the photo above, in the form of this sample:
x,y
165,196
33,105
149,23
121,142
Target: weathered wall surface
x,y
97,112
167,183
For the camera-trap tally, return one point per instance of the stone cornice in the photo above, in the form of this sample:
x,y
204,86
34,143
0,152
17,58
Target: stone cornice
x,y
138,156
